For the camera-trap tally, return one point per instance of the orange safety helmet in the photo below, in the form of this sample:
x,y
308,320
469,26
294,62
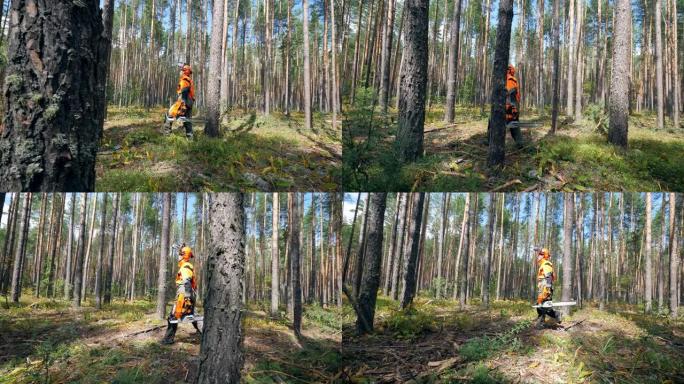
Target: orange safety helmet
x,y
511,69
185,252
186,69
543,255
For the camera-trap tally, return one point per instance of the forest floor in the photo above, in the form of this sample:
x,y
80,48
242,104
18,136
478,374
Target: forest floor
x,y
576,158
434,342
255,152
46,341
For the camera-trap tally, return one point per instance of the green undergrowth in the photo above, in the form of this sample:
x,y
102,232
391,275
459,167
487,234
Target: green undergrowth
x,y
315,357
46,343
254,152
576,158
500,345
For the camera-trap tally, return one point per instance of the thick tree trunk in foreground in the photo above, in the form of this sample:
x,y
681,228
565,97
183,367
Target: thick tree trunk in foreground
x,y
619,81
413,82
371,266
221,352
80,252
213,101
54,96
166,229
412,249
497,121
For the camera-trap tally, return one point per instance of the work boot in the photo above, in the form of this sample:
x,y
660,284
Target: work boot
x,y
539,324
166,128
188,129
516,133
194,324
170,334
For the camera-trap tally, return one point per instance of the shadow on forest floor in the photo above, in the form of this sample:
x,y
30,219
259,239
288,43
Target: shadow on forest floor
x,y
576,158
46,341
434,342
254,153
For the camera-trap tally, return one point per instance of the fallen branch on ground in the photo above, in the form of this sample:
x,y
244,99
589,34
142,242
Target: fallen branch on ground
x,y
506,185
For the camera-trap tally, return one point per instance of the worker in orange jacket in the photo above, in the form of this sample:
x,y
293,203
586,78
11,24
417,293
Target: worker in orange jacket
x,y
513,106
186,99
545,279
186,288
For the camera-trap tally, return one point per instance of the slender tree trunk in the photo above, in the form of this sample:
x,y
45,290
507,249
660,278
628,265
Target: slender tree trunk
x,y
487,263
53,249
295,267
453,60
469,211
20,249
163,256
275,256
648,271
221,351
556,66
136,234
568,263
442,237
80,252
308,122
462,240
112,242
386,53
100,255
86,262
658,55
69,253
570,100
399,247
412,249
674,257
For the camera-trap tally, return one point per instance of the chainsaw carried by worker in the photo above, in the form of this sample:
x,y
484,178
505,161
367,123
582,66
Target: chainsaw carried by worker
x,y
551,304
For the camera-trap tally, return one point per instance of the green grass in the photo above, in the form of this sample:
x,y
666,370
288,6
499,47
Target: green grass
x,y
497,345
253,153
577,158
47,341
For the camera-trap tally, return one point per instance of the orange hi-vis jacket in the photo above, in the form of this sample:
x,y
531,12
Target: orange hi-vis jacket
x,y
186,274
545,278
512,97
186,97
185,82
186,285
